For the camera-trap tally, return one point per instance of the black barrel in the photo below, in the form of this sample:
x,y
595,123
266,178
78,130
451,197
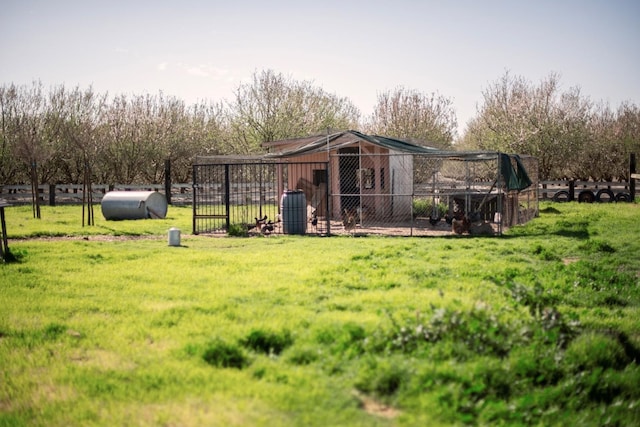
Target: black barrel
x,y
294,212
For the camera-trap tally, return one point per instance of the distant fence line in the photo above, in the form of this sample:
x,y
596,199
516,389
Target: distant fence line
x,y
181,194
54,194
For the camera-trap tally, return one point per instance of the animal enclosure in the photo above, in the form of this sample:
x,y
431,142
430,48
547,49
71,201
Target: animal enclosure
x,y
366,192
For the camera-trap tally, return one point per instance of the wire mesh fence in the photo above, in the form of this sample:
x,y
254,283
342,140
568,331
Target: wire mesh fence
x,y
357,192
249,197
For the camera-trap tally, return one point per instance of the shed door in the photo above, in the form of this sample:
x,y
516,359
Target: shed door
x,y
348,164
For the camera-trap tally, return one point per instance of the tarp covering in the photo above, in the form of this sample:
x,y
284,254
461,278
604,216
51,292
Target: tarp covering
x,y
515,176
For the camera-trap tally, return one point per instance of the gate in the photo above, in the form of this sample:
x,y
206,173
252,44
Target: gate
x,y
247,196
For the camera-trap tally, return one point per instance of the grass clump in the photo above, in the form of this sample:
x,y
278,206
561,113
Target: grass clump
x,y
477,331
597,245
238,230
593,350
224,355
382,377
267,342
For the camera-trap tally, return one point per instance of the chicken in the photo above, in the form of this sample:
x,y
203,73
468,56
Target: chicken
x,y
348,220
460,226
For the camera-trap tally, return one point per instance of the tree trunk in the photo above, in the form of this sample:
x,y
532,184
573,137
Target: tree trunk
x,y
35,195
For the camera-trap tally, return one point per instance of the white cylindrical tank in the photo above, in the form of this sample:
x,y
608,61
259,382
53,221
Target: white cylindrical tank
x,y
133,205
174,236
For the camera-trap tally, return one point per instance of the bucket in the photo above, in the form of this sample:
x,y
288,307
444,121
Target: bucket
x,y
294,212
174,236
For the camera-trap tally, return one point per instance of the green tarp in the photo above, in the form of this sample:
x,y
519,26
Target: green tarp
x,y
514,175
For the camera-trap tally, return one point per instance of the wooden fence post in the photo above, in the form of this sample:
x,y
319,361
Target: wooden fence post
x,y
572,190
167,180
52,194
632,179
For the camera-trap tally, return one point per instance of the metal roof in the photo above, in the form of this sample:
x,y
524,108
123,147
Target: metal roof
x,y
323,143
515,175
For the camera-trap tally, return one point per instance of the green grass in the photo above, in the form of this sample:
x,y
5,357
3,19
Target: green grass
x,y
536,327
61,221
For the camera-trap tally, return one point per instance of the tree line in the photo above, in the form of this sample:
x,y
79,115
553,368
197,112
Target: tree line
x,y
572,136
76,135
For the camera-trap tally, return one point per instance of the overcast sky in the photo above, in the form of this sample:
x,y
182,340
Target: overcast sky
x,y
202,50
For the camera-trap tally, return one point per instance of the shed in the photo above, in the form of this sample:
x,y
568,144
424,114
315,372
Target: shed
x,y
370,166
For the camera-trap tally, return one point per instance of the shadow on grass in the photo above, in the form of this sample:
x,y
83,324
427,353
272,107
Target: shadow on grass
x,y
565,228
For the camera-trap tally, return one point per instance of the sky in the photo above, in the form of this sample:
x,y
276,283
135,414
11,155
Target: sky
x,y
200,50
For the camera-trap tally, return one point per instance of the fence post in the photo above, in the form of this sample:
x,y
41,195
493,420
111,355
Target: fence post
x,y
52,194
167,180
572,189
632,171
227,195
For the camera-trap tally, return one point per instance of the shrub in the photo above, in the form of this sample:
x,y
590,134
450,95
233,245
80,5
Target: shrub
x,y
382,377
425,208
596,245
238,230
224,355
267,342
347,338
303,355
478,331
595,350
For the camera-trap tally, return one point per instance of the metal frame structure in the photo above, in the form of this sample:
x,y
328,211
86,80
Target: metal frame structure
x,y
362,192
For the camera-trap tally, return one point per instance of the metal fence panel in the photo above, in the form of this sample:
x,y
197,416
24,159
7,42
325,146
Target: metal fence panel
x,y
248,196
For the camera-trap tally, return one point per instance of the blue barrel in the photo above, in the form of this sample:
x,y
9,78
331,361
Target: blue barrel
x,y
294,212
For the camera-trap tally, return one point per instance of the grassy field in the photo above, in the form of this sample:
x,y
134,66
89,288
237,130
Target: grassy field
x,y
538,327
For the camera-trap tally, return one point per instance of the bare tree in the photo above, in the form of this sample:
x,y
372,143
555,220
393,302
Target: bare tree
x,y
627,131
274,107
9,166
130,135
83,118
409,114
202,129
28,130
613,136
520,117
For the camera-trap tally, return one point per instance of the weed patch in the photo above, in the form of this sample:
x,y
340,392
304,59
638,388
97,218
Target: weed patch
x,y
381,377
267,342
223,355
545,253
477,331
347,338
